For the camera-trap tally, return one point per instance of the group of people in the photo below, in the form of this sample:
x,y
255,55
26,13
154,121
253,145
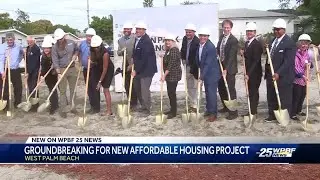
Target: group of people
x,y
197,53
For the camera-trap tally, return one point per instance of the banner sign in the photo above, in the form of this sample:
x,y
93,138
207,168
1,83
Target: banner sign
x,y
85,150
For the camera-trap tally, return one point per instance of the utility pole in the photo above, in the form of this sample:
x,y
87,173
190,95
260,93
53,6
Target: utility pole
x,y
88,16
165,2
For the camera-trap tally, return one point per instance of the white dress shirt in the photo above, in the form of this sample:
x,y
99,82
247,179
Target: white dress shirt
x,y
200,50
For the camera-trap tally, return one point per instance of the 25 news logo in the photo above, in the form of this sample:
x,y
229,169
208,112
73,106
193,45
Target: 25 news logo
x,y
276,152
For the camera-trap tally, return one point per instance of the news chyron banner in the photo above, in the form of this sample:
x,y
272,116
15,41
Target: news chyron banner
x,y
153,150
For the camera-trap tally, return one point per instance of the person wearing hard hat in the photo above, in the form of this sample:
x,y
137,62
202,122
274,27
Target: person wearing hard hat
x,y
33,65
84,55
252,53
102,70
227,49
145,66
63,52
282,52
52,77
127,42
15,52
190,45
209,72
302,59
172,72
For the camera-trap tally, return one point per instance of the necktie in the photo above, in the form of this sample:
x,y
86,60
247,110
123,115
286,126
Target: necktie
x,y
274,47
246,45
223,43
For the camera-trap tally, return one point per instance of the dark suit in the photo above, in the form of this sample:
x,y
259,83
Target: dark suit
x,y
210,74
145,65
33,65
230,64
192,63
192,67
283,61
252,54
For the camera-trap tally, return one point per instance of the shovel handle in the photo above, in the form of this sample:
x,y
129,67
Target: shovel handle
x,y
56,85
75,86
317,66
39,73
124,73
307,92
198,89
4,79
186,89
246,85
274,82
130,92
9,82
39,83
224,79
87,84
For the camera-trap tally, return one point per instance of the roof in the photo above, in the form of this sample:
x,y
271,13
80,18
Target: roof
x,y
248,13
10,30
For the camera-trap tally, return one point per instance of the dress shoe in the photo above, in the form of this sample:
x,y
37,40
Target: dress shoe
x,y
207,114
302,114
270,119
167,112
295,118
63,114
223,110
232,115
171,115
212,118
52,111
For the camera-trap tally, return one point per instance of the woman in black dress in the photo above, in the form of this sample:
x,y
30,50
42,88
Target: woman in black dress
x,y
103,69
52,77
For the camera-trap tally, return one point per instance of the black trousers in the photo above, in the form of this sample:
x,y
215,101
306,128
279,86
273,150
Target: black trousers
x,y
32,82
285,93
253,86
134,98
171,90
17,86
231,81
93,93
299,94
51,81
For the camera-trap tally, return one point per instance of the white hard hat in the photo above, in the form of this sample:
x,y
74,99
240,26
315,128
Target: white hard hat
x,y
279,23
127,25
141,24
251,26
58,34
170,37
47,41
90,31
191,27
96,41
304,37
204,31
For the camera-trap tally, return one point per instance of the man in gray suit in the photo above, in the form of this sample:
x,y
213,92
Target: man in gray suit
x,y
127,42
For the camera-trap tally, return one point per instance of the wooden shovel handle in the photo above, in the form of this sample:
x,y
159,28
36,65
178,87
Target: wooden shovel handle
x,y
130,90
224,79
198,89
39,83
186,88
87,84
4,79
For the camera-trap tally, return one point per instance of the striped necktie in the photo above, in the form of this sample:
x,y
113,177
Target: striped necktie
x,y
223,44
274,47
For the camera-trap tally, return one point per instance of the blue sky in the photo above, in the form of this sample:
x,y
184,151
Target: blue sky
x,y
73,12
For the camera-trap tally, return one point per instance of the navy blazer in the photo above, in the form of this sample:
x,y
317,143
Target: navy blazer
x,y
33,58
283,61
209,65
144,58
192,54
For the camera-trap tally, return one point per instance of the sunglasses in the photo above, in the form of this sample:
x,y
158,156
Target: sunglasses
x,y
277,29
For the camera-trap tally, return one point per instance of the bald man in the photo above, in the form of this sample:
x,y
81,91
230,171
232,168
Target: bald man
x,y
33,54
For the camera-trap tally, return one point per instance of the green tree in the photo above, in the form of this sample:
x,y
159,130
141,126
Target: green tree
x,y
103,27
41,26
22,23
5,21
148,3
191,2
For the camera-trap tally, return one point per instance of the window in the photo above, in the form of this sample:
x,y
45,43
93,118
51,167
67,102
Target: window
x,y
3,39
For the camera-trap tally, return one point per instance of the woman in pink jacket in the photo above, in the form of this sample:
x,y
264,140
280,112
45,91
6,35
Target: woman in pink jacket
x,y
299,84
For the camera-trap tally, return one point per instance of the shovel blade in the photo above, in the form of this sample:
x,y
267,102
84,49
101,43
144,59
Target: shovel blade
x,y
126,122
122,110
231,104
249,120
43,107
307,127
282,116
318,110
195,118
185,118
82,121
9,114
161,119
26,107
34,101
3,104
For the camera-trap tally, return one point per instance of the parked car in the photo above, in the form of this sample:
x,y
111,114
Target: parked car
x,y
110,50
